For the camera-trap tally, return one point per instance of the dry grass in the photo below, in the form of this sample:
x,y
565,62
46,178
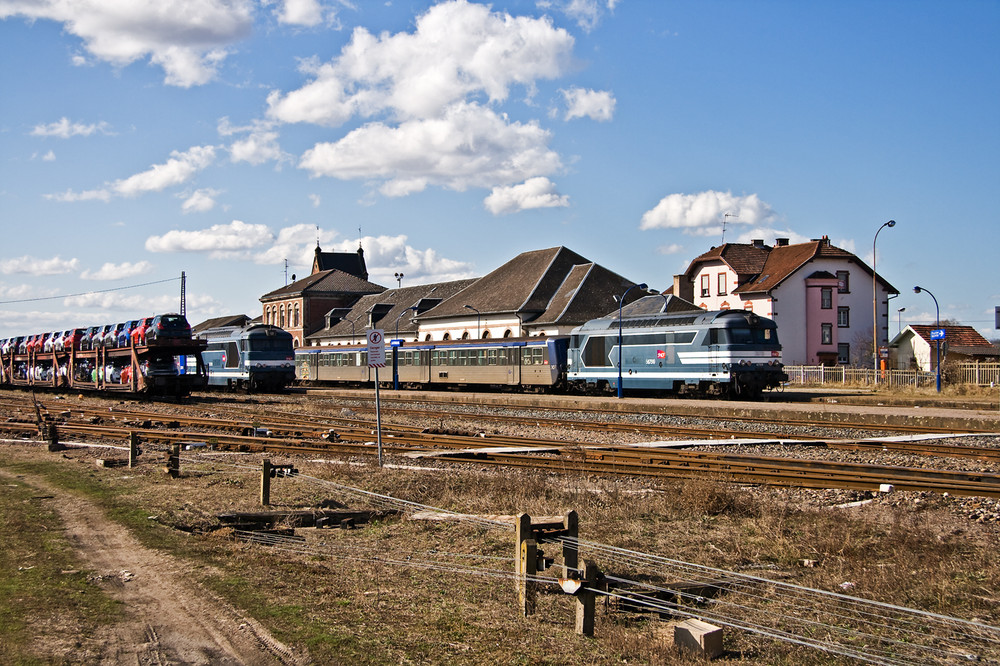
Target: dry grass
x,y
358,608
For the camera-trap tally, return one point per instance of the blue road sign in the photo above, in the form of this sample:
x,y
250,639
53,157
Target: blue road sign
x,y
395,342
937,334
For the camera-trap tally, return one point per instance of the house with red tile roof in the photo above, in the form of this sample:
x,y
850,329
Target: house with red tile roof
x,y
820,296
915,350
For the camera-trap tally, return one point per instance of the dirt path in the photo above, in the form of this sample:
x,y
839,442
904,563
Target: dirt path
x,y
170,619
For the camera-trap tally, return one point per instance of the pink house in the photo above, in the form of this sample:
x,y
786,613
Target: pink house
x,y
821,296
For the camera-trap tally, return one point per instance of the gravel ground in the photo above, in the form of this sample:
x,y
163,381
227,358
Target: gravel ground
x,y
463,418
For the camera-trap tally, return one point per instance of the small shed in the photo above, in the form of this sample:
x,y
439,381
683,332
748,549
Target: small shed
x,y
915,350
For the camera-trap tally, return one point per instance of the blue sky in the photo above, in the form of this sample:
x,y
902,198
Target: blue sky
x,y
220,138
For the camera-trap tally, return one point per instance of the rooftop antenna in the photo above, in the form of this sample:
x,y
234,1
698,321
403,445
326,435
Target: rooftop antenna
x,y
317,235
286,272
725,218
359,238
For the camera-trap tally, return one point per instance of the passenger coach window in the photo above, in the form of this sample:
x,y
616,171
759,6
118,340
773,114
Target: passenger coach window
x,y
232,355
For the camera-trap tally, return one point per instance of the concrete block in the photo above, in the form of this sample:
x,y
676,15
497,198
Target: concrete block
x,y
702,638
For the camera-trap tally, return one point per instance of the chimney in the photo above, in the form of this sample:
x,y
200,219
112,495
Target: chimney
x,y
780,242
757,242
683,288
824,241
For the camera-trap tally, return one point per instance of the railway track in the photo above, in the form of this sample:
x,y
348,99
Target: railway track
x,y
297,433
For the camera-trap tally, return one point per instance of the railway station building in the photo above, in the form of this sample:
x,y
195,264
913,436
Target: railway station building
x,y
338,280
539,292
819,295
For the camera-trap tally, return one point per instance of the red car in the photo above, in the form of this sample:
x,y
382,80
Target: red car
x,y
139,332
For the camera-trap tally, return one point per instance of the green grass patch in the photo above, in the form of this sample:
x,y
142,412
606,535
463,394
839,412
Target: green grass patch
x,y
43,589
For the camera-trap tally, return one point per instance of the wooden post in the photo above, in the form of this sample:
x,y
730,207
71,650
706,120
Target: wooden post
x,y
585,600
174,461
133,448
528,587
52,435
570,548
265,483
522,532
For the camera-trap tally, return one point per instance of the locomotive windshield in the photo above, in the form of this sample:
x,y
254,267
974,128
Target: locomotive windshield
x,y
743,336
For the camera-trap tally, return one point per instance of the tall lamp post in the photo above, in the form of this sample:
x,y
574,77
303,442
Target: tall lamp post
x,y
890,224
899,320
399,279
478,318
621,303
937,317
395,349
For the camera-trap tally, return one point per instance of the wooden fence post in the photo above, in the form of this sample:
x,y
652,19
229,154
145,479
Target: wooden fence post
x,y
133,448
528,591
265,483
174,461
585,600
570,546
52,435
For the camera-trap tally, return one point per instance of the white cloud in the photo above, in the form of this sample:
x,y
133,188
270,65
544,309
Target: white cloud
x,y
187,38
306,13
470,146
703,214
457,49
111,271
586,13
34,266
64,129
297,244
259,146
594,104
200,201
386,255
316,200
672,248
768,234
180,168
221,241
49,157
538,192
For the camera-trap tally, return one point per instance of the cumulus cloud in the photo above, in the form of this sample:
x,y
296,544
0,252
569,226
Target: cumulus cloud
x,y
594,104
538,192
64,129
260,144
180,168
703,214
457,49
187,38
672,248
34,266
232,240
471,146
111,271
386,255
586,13
306,13
768,234
199,201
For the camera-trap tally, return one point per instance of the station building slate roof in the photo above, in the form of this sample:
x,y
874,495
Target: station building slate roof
x,y
386,307
218,322
349,262
331,281
550,286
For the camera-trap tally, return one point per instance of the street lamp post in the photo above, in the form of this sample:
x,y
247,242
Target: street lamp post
x,y
478,317
890,224
899,320
621,303
395,348
399,279
937,317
